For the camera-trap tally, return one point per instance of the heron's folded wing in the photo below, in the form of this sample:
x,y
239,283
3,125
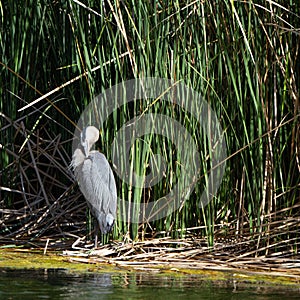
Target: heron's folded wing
x,y
99,184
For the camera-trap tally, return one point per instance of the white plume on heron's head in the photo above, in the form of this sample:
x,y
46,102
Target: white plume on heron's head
x,y
89,136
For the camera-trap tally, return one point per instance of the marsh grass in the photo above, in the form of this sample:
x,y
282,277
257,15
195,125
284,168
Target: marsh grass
x,y
242,57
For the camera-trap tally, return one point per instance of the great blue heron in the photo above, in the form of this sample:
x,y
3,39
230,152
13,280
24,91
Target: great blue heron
x,y
96,180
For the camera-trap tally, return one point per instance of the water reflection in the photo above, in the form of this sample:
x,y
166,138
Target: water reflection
x,y
62,284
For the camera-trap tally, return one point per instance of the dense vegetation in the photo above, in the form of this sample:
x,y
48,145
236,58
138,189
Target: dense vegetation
x,y
241,56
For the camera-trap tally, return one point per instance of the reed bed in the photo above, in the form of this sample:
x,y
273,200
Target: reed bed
x,y
188,253
242,57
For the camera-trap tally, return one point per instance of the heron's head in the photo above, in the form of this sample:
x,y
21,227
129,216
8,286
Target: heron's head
x,y
89,136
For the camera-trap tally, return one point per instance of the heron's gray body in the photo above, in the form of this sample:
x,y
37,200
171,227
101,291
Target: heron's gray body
x,y
96,181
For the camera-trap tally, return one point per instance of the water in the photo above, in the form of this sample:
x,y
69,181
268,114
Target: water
x,y
61,284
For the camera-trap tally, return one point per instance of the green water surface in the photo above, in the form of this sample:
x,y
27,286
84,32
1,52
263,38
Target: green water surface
x,y
62,284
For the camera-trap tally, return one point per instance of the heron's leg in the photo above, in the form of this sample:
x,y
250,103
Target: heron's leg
x,y
96,227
